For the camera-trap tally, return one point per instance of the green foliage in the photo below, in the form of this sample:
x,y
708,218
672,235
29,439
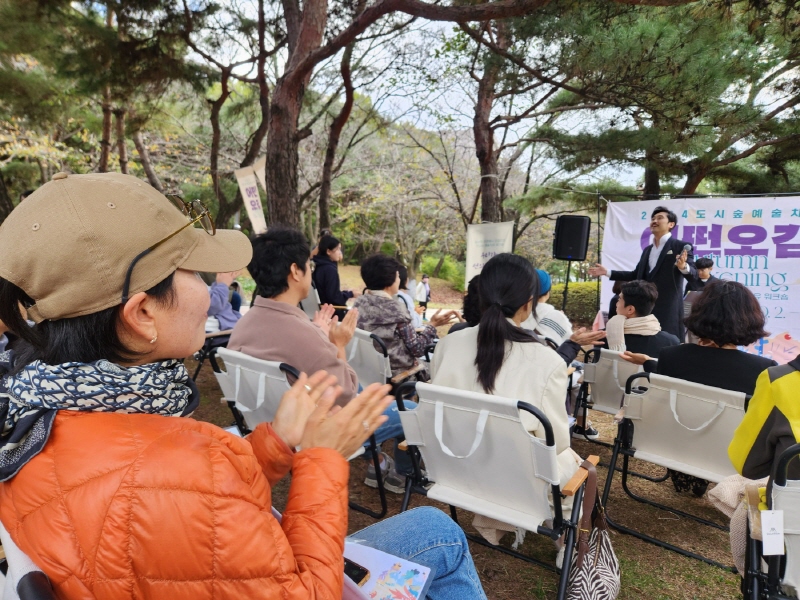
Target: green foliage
x,y
451,270
581,301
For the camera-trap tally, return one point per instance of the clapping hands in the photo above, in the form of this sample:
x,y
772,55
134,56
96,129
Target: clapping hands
x,y
307,417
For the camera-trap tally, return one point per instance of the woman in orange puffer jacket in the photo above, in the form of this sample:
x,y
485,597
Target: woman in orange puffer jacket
x,y
103,486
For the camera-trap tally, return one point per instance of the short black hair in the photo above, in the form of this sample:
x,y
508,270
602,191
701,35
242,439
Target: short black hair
x,y
703,263
379,271
274,253
726,312
327,243
671,216
641,295
472,302
84,339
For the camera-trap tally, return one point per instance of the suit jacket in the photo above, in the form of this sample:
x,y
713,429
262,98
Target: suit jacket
x,y
695,284
669,281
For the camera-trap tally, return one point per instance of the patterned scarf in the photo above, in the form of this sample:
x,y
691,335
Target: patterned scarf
x,y
30,399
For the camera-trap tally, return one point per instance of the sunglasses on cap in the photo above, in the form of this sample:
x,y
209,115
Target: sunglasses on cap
x,y
195,211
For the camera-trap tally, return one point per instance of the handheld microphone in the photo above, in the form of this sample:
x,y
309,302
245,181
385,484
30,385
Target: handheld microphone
x,y
687,248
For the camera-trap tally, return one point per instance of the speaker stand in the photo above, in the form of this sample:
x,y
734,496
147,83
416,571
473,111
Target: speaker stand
x,y
566,285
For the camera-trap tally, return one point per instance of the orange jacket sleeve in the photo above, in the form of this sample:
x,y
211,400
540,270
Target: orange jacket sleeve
x,y
272,453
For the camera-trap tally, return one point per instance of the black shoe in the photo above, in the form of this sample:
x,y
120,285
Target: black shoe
x,y
581,433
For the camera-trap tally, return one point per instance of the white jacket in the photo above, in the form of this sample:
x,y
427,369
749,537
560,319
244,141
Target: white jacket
x,y
550,323
531,372
421,293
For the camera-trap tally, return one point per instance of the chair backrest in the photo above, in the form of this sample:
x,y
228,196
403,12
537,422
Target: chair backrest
x,y
24,580
310,304
371,365
607,378
255,385
685,426
480,456
786,497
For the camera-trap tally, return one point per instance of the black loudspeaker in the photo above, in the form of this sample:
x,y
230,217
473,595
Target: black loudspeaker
x,y
571,238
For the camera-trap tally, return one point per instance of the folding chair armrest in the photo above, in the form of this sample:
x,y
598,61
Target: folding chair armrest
x,y
634,377
575,483
407,373
752,500
219,333
591,356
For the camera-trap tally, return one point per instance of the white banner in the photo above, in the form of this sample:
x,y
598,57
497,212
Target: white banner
x,y
755,241
483,242
252,200
260,167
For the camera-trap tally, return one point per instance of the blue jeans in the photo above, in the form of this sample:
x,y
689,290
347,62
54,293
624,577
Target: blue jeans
x,y
427,536
393,428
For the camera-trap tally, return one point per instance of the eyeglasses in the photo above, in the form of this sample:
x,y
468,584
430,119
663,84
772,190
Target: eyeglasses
x,y
195,211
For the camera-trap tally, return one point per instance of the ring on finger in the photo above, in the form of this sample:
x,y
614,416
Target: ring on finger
x,y
365,424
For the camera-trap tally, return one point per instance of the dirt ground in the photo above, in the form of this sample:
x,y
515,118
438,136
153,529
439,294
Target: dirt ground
x,y
647,571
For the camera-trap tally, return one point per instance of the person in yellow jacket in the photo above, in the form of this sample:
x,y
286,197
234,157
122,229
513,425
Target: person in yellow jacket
x,y
771,423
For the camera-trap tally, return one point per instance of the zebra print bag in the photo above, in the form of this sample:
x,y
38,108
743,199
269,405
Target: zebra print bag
x,y
594,572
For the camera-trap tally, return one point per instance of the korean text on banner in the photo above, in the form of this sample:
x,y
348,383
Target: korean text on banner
x,y
483,242
755,241
252,201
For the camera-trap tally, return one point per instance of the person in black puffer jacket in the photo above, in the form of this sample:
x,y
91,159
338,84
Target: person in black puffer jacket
x,y
326,275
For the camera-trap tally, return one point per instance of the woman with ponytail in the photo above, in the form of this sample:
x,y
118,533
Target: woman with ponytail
x,y
499,357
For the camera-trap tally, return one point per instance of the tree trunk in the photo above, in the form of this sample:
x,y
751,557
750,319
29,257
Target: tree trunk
x,y
216,107
694,177
491,211
122,149
438,267
282,154
652,186
333,141
305,33
144,156
105,141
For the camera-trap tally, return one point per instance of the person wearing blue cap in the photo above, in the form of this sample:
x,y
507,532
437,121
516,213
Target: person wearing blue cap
x,y
547,320
550,323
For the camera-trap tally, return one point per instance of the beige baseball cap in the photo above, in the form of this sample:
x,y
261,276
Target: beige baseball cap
x,y
70,243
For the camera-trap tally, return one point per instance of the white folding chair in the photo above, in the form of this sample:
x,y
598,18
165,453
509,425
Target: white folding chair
x,y
23,580
607,379
781,579
679,425
253,389
368,356
480,458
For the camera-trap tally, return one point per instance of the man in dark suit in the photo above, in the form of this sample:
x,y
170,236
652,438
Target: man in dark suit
x,y
703,277
665,263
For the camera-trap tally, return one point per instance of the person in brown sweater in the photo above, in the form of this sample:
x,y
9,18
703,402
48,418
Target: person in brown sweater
x,y
276,329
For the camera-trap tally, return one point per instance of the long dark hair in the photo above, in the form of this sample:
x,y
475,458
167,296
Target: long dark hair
x,y
87,338
507,283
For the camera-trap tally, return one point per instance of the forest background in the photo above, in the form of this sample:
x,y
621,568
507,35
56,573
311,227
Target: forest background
x,y
398,123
